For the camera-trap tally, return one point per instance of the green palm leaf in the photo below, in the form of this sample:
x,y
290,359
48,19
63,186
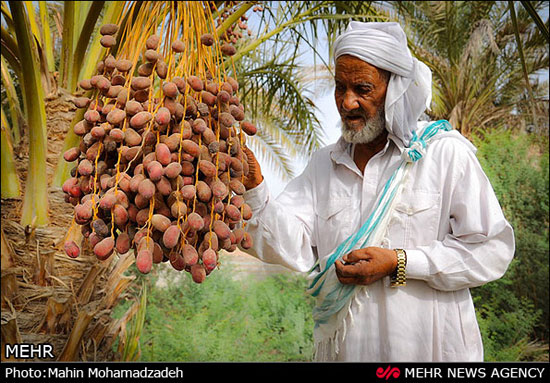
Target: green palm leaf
x,y
478,53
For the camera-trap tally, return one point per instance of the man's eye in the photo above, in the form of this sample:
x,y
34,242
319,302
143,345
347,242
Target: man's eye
x,y
340,87
364,89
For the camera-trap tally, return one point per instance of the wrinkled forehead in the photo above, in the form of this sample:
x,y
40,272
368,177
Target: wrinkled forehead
x,y
351,68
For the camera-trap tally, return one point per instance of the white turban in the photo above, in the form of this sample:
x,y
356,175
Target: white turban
x,y
409,92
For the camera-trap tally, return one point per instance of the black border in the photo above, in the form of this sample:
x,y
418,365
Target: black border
x,y
366,372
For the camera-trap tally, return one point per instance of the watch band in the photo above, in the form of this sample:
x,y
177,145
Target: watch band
x,y
398,277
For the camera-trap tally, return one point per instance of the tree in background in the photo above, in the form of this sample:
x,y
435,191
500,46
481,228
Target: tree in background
x,y
29,52
513,311
477,64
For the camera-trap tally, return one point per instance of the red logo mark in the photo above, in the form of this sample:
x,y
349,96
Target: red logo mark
x,y
389,372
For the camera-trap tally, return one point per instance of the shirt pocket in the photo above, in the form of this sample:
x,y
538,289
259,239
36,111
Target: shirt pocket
x,y
415,220
334,221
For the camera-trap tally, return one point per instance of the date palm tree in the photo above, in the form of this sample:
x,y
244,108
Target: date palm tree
x,y
45,297
46,49
479,69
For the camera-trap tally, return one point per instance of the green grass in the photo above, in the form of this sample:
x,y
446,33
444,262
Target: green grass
x,y
224,320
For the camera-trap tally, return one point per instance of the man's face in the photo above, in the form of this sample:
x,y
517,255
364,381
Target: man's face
x,y
360,93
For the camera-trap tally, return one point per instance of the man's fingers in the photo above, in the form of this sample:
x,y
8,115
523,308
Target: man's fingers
x,y
356,256
249,154
341,272
254,177
351,270
348,281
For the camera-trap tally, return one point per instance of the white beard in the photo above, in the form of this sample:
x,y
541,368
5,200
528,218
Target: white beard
x,y
372,129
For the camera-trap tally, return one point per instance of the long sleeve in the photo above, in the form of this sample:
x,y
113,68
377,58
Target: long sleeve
x,y
282,228
480,245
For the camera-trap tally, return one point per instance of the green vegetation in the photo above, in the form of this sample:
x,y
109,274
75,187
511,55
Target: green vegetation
x,y
226,320
513,311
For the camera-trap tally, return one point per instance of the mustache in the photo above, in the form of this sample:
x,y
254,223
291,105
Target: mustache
x,y
380,114
352,114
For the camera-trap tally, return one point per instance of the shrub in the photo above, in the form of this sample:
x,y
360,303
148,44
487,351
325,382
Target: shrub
x,y
513,311
226,320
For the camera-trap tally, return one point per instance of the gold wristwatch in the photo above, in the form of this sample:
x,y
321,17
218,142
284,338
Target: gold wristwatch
x,y
398,276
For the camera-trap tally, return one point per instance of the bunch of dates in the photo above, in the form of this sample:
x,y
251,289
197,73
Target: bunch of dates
x,y
159,170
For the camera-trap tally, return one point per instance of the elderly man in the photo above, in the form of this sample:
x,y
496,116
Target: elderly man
x,y
397,219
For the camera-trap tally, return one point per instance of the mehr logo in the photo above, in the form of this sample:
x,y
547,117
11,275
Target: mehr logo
x,y
29,350
389,372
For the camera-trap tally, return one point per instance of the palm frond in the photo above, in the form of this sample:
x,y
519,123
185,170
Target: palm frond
x,y
271,152
472,49
10,181
275,90
536,18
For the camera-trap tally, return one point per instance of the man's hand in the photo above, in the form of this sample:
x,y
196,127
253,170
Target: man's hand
x,y
254,177
366,266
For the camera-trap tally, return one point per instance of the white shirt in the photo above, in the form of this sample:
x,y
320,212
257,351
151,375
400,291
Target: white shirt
x,y
448,221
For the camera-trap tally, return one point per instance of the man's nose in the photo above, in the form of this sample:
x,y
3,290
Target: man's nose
x,y
350,101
